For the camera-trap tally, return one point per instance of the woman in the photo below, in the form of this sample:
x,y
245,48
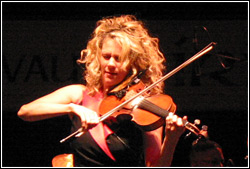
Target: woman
x,y
120,48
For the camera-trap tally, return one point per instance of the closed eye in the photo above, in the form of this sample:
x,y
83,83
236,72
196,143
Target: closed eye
x,y
108,56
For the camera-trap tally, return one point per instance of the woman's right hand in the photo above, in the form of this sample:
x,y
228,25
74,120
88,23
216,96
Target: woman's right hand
x,y
89,118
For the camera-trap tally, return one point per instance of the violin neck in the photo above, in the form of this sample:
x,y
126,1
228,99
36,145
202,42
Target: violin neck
x,y
153,108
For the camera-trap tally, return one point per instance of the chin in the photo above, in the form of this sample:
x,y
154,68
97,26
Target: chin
x,y
111,83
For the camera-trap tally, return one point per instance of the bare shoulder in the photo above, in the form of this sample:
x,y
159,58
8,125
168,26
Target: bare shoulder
x,y
75,87
74,90
66,94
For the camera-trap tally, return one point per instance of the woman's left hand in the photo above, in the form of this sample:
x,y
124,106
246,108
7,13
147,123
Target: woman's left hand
x,y
174,126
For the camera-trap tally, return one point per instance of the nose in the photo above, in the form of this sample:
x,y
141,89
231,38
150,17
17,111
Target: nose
x,y
111,62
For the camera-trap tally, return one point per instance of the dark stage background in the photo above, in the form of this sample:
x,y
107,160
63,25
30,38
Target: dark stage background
x,y
41,42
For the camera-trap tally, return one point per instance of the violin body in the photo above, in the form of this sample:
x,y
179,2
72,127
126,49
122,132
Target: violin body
x,y
148,115
152,112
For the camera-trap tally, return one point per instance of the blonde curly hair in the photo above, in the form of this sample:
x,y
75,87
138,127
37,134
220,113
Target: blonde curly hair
x,y
139,51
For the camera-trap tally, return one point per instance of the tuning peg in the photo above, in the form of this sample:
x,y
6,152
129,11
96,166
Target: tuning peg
x,y
204,127
204,131
197,122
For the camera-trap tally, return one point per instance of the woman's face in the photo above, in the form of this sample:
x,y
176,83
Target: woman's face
x,y
111,67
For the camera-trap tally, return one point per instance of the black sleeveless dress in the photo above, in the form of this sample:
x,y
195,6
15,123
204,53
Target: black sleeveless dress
x,y
125,144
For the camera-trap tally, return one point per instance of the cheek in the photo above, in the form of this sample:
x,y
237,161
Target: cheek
x,y
123,72
102,64
123,76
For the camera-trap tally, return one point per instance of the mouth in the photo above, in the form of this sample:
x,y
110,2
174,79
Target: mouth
x,y
110,73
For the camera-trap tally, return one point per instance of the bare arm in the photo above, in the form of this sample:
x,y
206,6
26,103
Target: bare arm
x,y
54,104
158,153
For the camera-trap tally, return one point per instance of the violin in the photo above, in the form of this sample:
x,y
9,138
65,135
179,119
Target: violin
x,y
150,112
147,112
